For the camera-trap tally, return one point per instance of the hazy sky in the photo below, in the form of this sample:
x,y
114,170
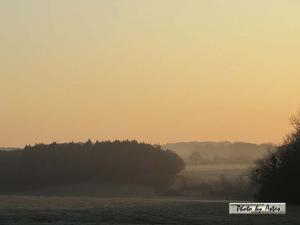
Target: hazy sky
x,y
153,70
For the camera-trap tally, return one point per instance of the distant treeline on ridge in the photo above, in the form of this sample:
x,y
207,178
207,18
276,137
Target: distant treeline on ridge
x,y
119,161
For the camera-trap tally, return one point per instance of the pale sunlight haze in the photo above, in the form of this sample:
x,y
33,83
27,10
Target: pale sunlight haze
x,y
155,71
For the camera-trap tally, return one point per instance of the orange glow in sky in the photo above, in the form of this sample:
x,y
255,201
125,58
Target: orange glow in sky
x,y
155,71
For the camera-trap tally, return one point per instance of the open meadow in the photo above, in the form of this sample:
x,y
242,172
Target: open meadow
x,y
24,210
187,208
212,172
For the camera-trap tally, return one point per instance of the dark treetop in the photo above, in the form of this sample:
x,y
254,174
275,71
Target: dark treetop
x,y
119,161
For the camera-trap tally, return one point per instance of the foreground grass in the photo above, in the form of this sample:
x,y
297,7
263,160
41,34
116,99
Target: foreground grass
x,y
81,210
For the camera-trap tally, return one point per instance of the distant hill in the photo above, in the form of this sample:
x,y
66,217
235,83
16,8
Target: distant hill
x,y
218,152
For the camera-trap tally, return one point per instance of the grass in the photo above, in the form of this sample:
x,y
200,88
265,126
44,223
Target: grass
x,y
79,210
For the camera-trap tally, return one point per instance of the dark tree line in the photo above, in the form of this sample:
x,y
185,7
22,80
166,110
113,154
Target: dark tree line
x,y
119,161
277,175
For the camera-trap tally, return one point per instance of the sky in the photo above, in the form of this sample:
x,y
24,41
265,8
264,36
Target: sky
x,y
155,71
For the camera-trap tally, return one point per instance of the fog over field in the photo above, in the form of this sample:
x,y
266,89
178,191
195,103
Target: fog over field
x,y
217,170
8,148
142,112
127,182
219,152
212,170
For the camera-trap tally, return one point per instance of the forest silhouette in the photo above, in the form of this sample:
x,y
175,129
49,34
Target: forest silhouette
x,y
277,174
128,162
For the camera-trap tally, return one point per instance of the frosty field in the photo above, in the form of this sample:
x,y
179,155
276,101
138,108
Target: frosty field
x,y
25,210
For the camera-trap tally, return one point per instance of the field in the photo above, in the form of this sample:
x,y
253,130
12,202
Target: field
x,y
216,181
25,210
213,172
134,206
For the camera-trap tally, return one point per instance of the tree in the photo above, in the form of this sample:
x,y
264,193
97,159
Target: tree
x,y
277,174
127,162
